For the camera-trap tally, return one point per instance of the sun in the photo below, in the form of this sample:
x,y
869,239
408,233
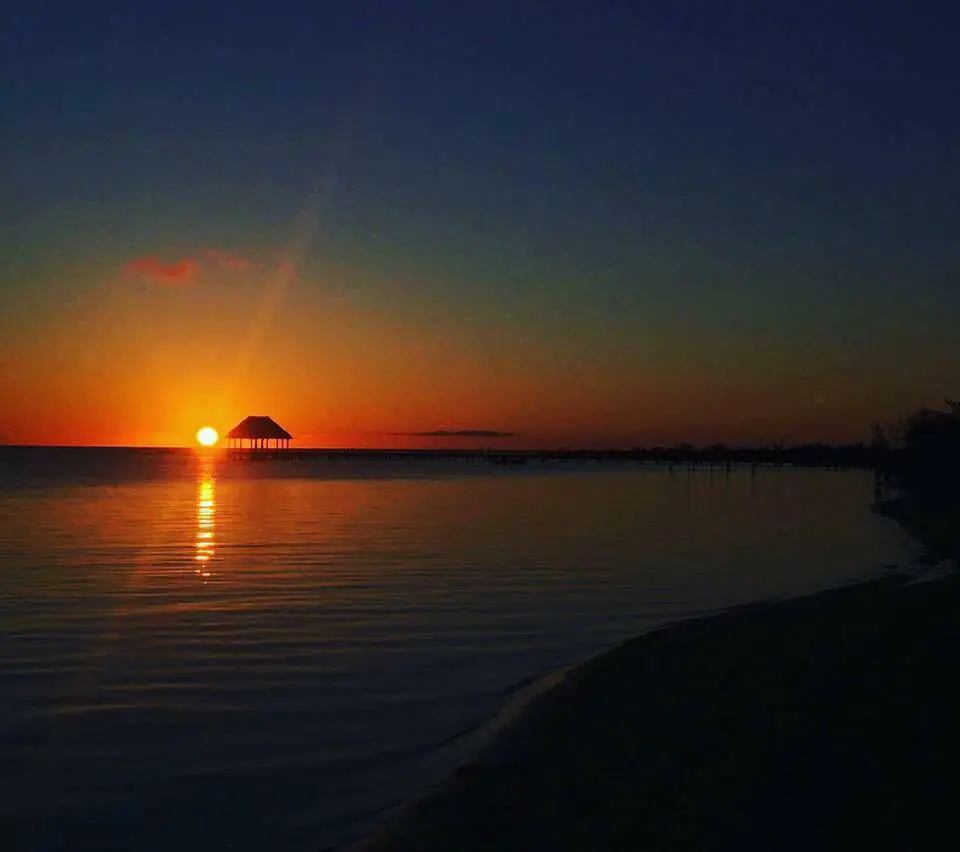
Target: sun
x,y
207,436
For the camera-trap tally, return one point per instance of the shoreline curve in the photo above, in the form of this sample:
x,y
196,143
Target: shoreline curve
x,y
775,724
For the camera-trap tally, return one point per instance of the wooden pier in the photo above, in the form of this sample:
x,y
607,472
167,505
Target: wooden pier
x,y
690,460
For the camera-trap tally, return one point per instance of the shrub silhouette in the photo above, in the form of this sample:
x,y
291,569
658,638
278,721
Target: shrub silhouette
x,y
930,466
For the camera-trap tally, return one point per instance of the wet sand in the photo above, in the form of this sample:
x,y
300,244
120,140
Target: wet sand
x,y
829,720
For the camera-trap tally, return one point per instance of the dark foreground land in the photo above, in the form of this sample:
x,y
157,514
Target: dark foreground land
x,y
831,721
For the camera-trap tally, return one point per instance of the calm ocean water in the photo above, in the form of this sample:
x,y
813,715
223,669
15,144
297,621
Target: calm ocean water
x,y
206,655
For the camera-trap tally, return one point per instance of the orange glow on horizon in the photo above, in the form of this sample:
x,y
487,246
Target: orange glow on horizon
x,y
384,381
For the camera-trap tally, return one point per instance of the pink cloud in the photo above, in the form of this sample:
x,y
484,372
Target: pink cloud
x,y
179,272
188,269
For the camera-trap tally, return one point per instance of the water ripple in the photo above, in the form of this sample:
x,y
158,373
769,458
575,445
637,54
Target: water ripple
x,y
204,657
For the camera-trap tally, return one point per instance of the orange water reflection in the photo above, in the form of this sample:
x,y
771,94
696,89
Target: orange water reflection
x,y
205,546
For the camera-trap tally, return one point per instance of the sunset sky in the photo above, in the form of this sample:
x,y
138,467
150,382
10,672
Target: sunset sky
x,y
581,223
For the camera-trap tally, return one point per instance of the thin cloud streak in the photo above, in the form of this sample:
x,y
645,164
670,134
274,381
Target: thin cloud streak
x,y
152,268
228,260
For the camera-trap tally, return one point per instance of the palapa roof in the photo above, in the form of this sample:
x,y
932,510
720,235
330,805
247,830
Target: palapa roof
x,y
259,427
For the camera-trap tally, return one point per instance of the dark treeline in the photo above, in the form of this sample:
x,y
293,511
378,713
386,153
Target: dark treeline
x,y
920,454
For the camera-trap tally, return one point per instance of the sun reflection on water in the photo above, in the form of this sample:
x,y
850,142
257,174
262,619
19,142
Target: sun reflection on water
x,y
205,546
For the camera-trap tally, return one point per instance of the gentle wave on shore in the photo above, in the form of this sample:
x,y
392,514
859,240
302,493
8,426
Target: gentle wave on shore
x,y
812,723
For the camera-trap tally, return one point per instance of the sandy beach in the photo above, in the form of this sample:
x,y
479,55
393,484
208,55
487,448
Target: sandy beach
x,y
829,720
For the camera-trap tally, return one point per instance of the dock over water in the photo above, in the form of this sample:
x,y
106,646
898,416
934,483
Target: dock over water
x,y
831,458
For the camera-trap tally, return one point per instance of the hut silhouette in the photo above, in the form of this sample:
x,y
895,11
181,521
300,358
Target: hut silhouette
x,y
255,434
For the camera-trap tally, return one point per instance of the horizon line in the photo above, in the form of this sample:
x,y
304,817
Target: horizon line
x,y
682,445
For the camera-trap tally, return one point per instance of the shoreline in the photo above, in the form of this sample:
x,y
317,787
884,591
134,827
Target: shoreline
x,y
469,745
936,529
465,749
806,720
474,743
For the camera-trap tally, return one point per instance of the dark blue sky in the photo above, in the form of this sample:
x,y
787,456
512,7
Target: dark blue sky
x,y
756,201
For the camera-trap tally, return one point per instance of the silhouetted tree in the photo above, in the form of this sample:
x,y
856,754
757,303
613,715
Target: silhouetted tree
x,y
878,440
931,454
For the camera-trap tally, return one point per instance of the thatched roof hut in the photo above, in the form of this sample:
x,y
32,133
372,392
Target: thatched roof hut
x,y
259,431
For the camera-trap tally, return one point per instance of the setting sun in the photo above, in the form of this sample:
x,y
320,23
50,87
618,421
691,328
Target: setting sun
x,y
207,436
